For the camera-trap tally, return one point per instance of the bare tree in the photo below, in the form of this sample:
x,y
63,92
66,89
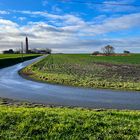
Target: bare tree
x,y
108,50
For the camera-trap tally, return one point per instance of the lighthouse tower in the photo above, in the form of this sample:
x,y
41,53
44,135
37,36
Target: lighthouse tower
x,y
27,45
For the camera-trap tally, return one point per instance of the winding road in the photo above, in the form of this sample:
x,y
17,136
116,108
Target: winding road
x,y
14,86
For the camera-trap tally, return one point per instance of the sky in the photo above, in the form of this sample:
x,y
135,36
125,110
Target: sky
x,y
70,26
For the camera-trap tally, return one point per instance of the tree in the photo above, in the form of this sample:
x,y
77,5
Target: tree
x,y
108,50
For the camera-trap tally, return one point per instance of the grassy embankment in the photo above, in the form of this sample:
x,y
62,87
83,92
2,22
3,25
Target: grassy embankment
x,y
115,72
25,121
11,59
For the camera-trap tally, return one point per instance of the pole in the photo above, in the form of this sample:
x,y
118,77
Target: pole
x,y
22,51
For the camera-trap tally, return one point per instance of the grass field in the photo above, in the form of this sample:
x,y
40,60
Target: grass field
x,y
43,123
115,72
11,59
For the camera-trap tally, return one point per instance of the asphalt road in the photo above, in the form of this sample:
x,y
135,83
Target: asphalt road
x,y
15,87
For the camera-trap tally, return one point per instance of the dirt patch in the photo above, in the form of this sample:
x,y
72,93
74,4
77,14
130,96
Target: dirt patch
x,y
124,72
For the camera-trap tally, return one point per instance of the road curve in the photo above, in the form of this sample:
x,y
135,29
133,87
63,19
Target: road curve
x,y
14,86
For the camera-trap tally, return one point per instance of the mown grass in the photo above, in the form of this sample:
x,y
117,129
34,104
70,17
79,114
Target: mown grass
x,y
67,124
11,59
115,72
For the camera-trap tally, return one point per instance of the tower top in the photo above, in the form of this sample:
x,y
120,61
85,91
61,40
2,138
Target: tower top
x,y
27,46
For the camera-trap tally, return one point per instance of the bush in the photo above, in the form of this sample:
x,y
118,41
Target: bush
x,y
96,53
126,52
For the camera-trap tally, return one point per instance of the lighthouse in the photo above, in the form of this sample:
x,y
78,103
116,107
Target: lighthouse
x,y
27,45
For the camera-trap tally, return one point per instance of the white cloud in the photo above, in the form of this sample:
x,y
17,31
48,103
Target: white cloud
x,y
70,36
114,24
114,7
4,12
75,23
22,18
65,19
7,23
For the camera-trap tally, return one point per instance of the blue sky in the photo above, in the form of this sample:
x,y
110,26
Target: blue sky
x,y
67,26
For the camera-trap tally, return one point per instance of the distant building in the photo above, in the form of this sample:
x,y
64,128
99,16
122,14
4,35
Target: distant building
x,y
41,51
10,51
27,45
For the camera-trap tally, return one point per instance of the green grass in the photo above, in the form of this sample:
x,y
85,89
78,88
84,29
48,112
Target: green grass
x,y
67,124
130,59
115,72
11,59
4,56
